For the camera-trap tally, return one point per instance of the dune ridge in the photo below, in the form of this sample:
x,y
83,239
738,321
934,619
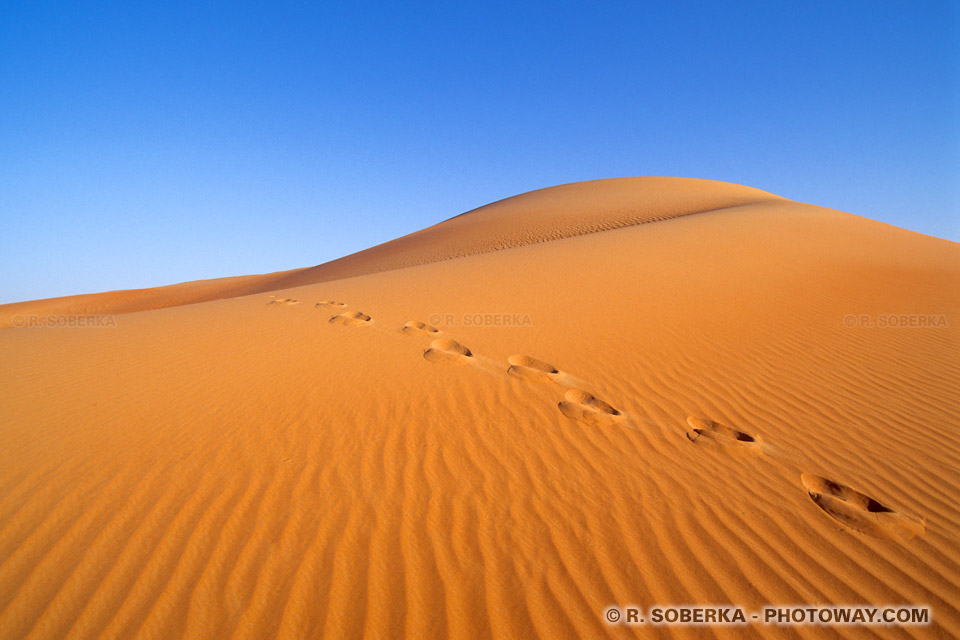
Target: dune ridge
x,y
538,216
685,415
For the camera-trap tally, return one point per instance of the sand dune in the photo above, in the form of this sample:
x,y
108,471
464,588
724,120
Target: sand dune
x,y
539,216
637,391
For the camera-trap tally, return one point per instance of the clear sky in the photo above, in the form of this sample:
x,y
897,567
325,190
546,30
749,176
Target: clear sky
x,y
155,143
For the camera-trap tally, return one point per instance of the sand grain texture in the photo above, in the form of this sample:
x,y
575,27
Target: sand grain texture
x,y
685,415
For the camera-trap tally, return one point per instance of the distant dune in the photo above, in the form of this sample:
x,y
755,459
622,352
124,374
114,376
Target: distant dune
x,y
636,391
539,216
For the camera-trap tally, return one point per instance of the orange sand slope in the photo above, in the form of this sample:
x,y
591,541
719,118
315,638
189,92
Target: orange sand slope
x,y
552,409
538,216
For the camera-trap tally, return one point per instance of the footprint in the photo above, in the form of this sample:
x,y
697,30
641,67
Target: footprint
x,y
588,409
329,303
283,301
527,368
351,319
447,351
724,436
415,328
859,511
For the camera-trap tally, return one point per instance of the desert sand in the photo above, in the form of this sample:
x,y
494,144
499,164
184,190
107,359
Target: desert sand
x,y
623,392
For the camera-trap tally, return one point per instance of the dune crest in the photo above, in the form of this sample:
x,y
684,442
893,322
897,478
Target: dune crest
x,y
538,216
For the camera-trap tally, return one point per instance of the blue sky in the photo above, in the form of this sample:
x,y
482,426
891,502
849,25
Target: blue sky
x,y
154,143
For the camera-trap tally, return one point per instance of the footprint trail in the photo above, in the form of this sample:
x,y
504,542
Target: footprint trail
x,y
711,432
416,328
351,319
859,511
447,351
587,408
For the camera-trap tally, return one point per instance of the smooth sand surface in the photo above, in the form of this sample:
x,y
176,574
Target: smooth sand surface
x,y
637,391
